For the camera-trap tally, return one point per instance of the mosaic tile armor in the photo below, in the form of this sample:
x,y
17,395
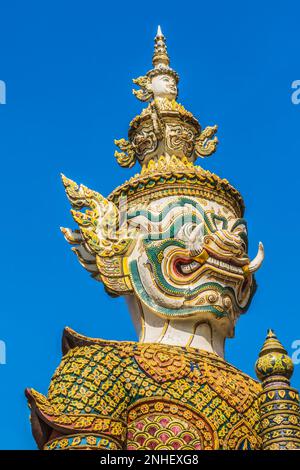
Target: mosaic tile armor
x,y
173,241
146,396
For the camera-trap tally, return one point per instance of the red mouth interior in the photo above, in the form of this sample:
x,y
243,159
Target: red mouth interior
x,y
181,262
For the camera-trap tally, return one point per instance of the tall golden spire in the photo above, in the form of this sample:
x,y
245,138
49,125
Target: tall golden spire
x,y
164,130
160,55
160,58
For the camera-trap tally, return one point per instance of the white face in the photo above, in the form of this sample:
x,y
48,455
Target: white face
x,y
189,261
164,86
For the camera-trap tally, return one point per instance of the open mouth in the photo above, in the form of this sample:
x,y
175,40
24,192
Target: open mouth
x,y
185,267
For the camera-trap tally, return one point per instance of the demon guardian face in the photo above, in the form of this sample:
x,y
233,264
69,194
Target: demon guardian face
x,y
190,260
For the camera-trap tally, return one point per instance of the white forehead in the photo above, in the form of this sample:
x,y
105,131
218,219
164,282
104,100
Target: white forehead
x,y
207,205
162,79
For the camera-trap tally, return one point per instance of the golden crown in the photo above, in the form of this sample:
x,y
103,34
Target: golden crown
x,y
166,139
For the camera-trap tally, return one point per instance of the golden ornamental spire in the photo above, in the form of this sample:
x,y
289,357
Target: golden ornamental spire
x,y
273,360
164,128
160,58
271,346
160,55
278,401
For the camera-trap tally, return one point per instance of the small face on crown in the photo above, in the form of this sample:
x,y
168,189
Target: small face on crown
x,y
164,86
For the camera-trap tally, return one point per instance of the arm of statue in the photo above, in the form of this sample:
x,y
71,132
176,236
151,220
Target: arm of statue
x,y
86,404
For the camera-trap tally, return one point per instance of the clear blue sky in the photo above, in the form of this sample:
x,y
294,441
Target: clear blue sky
x,y
68,67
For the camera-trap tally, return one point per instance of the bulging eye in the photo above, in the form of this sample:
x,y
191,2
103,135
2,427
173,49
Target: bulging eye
x,y
240,229
239,226
219,222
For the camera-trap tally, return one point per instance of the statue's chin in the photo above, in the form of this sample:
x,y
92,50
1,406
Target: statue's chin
x,y
209,301
217,317
169,95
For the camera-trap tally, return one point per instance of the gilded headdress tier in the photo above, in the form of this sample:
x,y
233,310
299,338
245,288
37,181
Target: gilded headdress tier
x,y
166,139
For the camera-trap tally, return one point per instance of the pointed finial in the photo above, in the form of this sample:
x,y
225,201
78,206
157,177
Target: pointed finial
x,y
159,31
160,56
271,344
273,359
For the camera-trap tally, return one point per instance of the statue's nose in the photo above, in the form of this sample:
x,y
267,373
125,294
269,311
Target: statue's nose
x,y
197,240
